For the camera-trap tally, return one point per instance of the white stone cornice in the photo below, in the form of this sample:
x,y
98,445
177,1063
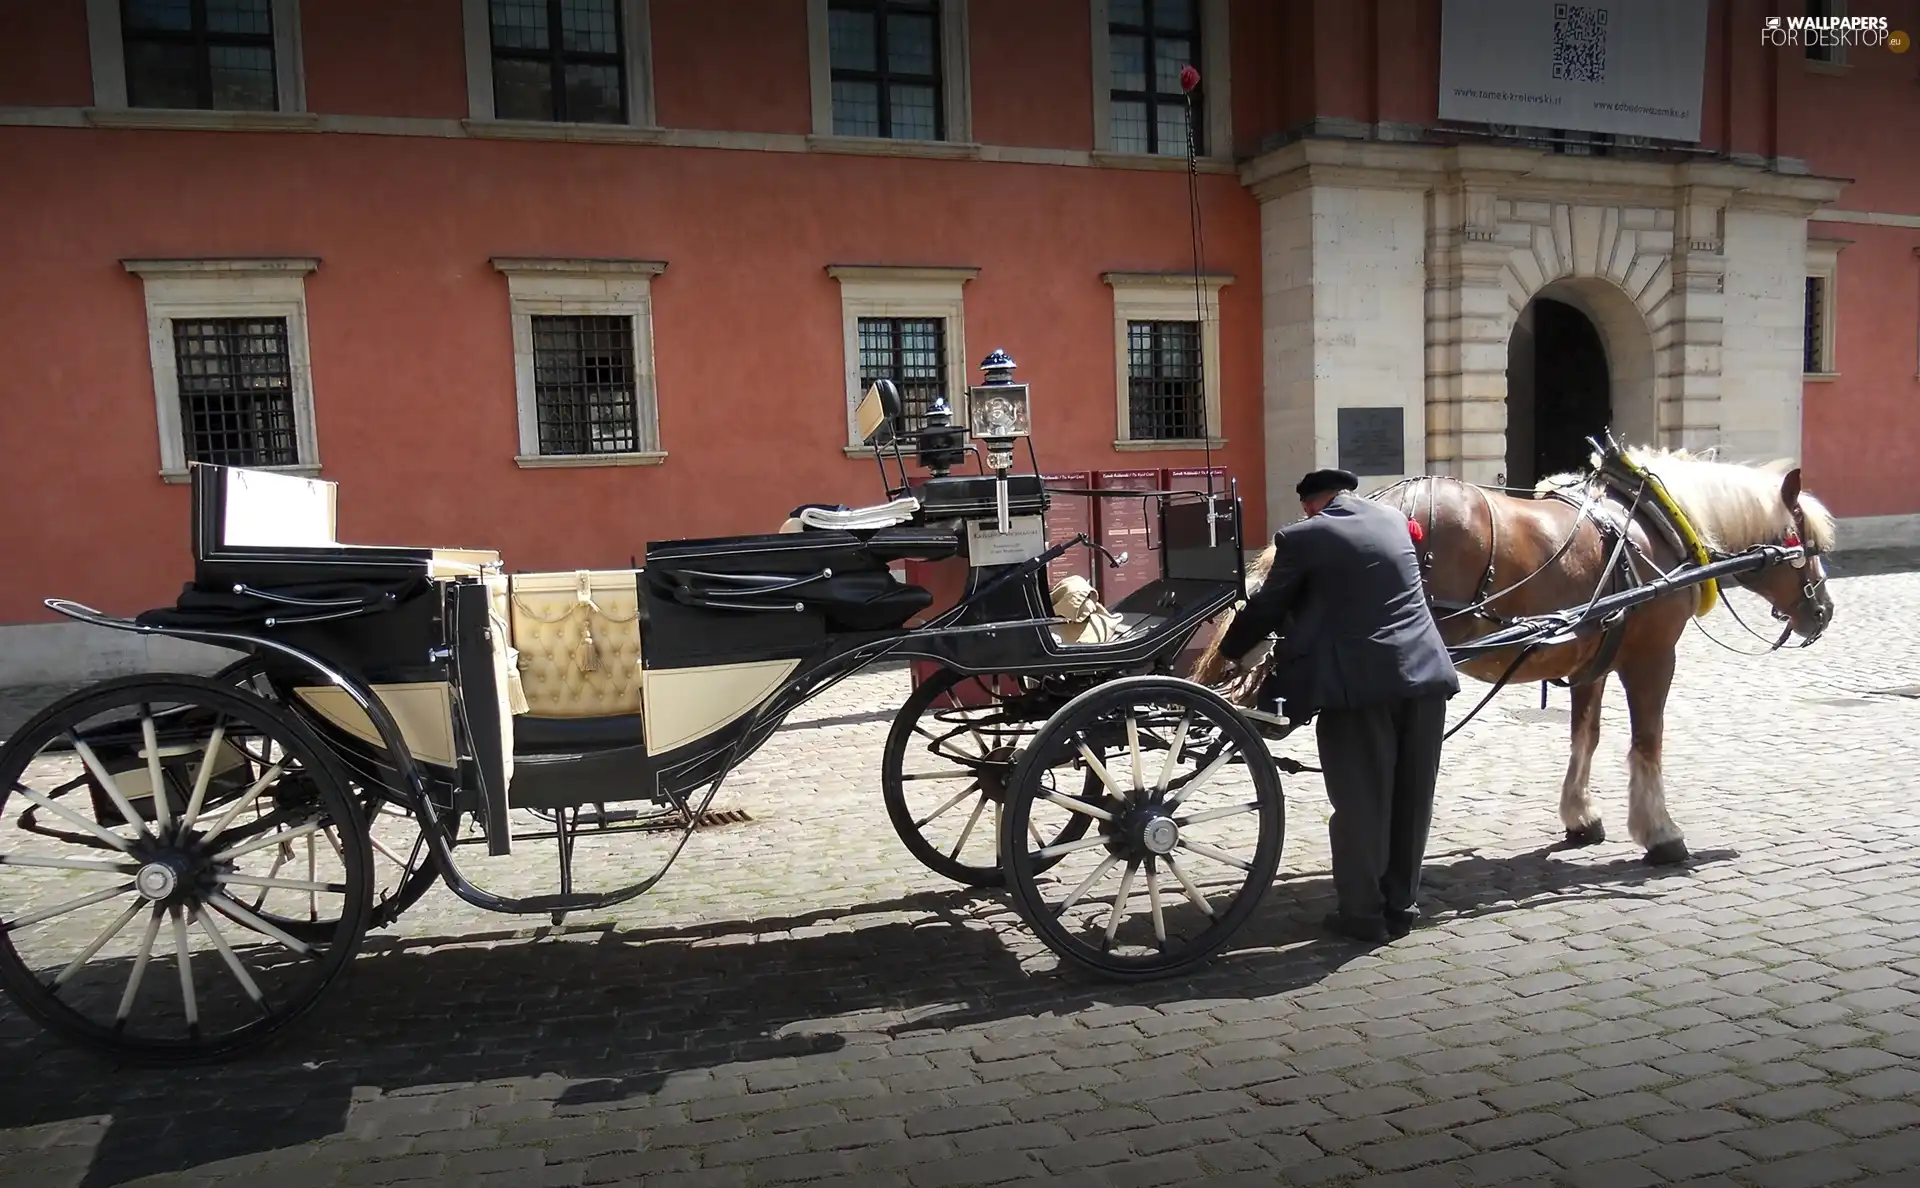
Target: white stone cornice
x,y
224,267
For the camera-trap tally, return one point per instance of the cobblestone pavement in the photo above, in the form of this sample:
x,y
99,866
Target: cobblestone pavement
x,y
800,1001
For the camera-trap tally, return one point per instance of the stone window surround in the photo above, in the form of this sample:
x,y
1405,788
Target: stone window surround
x,y
1167,297
636,25
618,288
1823,262
225,288
1215,80
888,291
107,49
956,77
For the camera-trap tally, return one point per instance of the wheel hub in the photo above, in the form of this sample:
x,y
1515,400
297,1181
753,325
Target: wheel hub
x,y
993,770
1151,831
160,879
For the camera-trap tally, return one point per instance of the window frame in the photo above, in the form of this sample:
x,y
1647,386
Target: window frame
x,y
636,52
1216,84
1823,265
883,291
1152,96
606,288
556,57
1167,297
882,76
190,290
955,100
107,49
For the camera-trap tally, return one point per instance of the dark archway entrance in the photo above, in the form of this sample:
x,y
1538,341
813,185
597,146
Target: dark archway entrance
x,y
1559,391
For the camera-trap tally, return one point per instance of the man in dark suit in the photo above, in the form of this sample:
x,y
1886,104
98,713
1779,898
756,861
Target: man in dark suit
x,y
1360,649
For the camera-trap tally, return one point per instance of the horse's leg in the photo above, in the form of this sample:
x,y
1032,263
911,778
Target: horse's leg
x,y
1647,681
1577,813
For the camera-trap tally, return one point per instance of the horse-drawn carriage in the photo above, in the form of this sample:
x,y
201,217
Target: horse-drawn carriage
x,y
397,706
188,862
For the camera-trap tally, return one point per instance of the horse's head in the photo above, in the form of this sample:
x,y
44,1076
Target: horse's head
x,y
1798,592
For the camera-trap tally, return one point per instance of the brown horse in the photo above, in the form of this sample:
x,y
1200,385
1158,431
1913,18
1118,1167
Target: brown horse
x,y
1513,556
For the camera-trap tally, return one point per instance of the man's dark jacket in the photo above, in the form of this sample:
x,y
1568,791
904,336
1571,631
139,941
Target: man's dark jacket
x,y
1345,590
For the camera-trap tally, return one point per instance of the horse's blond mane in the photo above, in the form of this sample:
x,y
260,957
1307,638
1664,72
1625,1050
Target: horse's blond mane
x,y
1732,505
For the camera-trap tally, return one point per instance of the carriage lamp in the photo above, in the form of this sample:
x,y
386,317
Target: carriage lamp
x,y
998,412
943,444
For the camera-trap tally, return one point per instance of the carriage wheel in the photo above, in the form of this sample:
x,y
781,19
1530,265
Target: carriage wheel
x,y
945,770
1187,834
403,869
125,922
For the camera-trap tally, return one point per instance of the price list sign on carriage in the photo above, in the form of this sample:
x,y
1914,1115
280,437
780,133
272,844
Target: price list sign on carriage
x,y
1125,528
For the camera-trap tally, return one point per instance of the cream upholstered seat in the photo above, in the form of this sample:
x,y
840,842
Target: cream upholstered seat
x,y
577,639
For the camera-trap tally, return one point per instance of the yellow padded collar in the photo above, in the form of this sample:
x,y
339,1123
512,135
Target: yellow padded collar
x,y
1709,591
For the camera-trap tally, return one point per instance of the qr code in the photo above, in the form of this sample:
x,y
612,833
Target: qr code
x,y
1579,43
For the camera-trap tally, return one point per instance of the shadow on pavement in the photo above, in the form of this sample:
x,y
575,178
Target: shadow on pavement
x,y
610,1015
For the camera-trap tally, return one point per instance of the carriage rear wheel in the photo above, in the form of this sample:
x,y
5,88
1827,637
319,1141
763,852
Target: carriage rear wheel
x,y
945,769
1187,829
138,818
403,869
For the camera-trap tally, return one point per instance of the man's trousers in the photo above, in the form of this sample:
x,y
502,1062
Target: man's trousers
x,y
1380,763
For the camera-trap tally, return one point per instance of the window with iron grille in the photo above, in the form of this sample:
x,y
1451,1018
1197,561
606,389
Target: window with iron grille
x,y
558,60
205,54
1814,350
583,381
236,391
912,352
1164,393
884,62
1148,42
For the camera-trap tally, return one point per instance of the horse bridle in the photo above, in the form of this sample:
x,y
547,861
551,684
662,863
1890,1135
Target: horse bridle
x,y
1812,585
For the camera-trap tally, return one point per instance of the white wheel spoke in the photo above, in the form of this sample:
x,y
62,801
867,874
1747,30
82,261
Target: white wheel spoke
x,y
1073,805
1207,851
1206,773
248,847
1133,748
959,796
199,798
72,905
1153,899
139,967
187,996
1054,851
106,835
68,863
968,831
1232,810
279,860
996,833
308,885
1173,754
379,848
1034,830
99,942
1193,892
1106,865
313,901
1120,900
248,797
162,812
240,973
108,785
936,775
1100,770
238,913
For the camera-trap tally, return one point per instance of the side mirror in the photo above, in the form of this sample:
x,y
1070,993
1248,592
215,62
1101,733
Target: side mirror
x,y
879,411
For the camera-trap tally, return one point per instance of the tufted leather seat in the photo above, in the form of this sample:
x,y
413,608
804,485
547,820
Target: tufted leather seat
x,y
577,635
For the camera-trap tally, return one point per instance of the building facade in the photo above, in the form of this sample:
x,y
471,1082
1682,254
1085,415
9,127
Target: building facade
x,y
560,277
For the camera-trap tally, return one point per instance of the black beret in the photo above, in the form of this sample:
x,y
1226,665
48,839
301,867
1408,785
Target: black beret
x,y
1322,481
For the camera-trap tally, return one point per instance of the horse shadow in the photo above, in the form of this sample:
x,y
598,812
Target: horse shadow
x,y
600,1018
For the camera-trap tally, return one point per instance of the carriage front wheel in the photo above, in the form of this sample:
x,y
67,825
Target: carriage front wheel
x,y
1186,830
944,773
138,818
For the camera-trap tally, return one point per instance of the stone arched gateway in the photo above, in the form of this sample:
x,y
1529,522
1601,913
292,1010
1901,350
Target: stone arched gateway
x,y
1393,275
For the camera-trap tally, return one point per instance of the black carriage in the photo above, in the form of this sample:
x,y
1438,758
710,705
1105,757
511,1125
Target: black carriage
x,y
189,861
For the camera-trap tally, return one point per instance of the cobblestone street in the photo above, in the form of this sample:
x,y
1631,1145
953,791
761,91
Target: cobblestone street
x,y
800,1000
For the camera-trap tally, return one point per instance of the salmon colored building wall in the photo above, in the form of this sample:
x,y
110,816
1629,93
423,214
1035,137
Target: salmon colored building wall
x,y
409,326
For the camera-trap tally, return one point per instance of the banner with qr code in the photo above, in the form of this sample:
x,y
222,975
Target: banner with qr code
x,y
1627,67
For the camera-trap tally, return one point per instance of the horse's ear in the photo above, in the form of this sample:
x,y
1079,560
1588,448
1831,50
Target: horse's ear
x,y
1790,488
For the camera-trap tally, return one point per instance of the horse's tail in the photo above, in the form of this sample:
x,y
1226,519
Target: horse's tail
x,y
1209,668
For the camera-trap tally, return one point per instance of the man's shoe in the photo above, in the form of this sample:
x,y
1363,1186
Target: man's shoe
x,y
1371,931
1399,924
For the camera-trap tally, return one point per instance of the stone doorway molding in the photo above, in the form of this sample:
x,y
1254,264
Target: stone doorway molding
x,y
1692,271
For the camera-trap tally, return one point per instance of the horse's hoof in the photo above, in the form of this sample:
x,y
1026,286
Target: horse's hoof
x,y
1587,835
1667,853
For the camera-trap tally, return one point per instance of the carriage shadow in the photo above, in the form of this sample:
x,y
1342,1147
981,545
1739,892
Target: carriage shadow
x,y
606,1018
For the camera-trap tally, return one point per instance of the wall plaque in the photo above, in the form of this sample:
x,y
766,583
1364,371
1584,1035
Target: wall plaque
x,y
1373,440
